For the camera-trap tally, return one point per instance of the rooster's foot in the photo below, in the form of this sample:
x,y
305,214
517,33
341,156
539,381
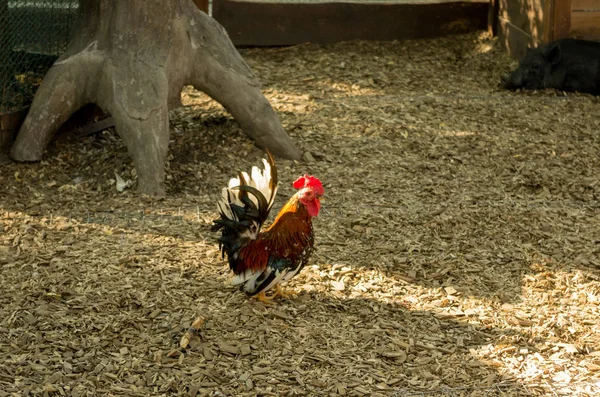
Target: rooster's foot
x,y
281,292
262,297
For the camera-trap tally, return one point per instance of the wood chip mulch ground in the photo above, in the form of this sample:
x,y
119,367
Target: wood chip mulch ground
x,y
458,250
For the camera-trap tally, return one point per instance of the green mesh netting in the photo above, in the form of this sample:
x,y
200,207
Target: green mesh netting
x,y
33,33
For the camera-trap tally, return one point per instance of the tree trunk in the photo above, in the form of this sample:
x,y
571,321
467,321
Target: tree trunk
x,y
132,58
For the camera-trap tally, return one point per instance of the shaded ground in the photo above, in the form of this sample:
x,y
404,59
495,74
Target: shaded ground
x,y
458,249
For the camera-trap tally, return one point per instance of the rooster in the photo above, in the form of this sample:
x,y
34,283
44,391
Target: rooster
x,y
261,260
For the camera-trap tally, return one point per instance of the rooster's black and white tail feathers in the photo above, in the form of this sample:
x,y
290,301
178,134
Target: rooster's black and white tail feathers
x,y
245,205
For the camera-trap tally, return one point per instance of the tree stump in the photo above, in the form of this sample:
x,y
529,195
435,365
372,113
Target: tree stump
x,y
132,58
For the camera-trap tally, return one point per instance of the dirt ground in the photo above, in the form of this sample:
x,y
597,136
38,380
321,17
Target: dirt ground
x,y
457,249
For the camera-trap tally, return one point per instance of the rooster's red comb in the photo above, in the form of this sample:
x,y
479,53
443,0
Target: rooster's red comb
x,y
310,181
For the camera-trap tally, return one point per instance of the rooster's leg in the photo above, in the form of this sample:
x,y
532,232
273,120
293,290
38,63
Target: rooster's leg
x,y
262,297
280,292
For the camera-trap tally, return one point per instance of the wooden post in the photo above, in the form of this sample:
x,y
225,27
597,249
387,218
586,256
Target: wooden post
x,y
560,19
493,17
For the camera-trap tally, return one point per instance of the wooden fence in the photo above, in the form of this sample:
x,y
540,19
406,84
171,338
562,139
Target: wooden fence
x,y
276,23
585,19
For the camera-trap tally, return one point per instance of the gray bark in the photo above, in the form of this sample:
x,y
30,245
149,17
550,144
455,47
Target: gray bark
x,y
132,58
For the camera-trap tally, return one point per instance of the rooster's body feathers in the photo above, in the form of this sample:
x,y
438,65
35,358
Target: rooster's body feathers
x,y
263,259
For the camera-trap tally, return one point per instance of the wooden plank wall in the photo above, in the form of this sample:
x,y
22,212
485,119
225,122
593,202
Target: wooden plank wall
x,y
531,23
276,23
583,5
585,19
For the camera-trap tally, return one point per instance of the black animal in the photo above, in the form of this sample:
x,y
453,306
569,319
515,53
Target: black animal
x,y
565,64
